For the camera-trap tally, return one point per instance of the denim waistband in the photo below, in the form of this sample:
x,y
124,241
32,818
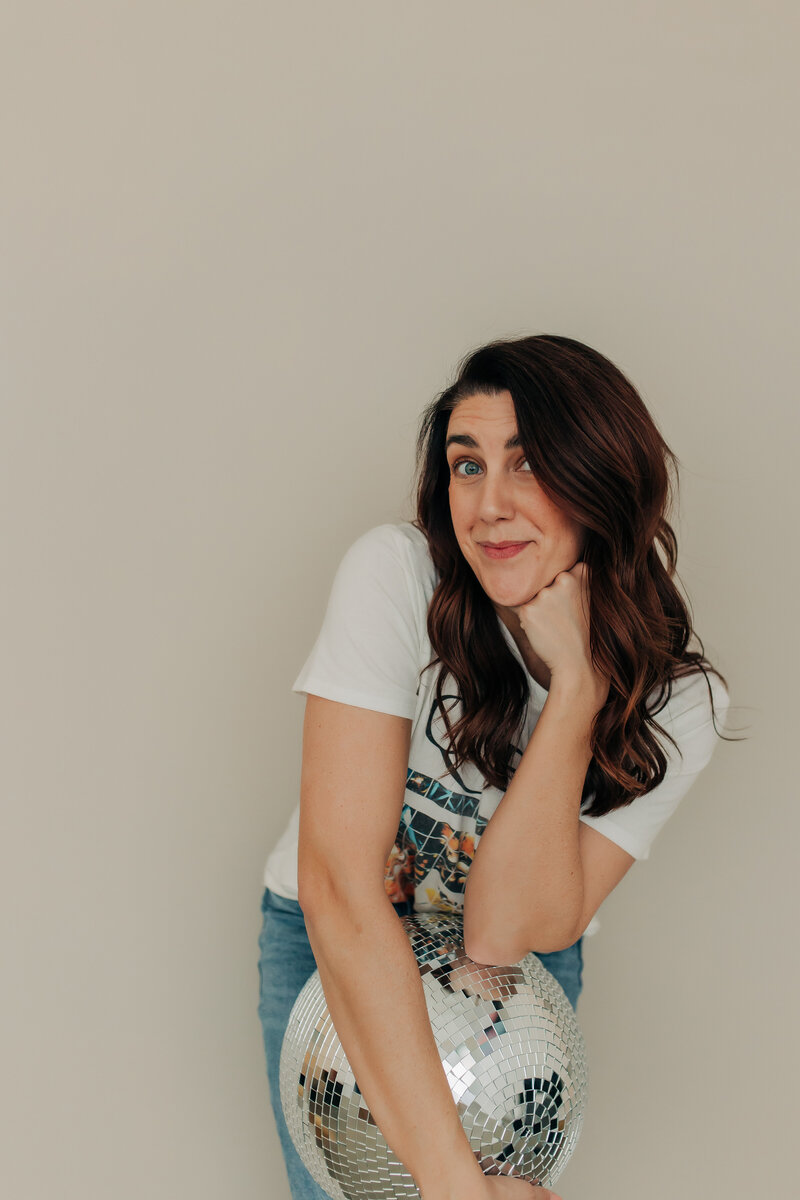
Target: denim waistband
x,y
273,900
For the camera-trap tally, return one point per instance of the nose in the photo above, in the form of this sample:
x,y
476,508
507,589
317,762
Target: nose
x,y
496,497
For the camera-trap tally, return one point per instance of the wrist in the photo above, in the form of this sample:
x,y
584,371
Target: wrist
x,y
461,1180
577,689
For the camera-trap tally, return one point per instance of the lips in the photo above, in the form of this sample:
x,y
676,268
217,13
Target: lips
x,y
502,549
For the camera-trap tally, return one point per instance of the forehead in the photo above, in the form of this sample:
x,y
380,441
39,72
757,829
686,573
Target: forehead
x,y
485,417
496,407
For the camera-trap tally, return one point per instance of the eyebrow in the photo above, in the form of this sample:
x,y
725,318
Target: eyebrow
x,y
466,439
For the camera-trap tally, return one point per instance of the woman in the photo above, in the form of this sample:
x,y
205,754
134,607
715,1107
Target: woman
x,y
515,642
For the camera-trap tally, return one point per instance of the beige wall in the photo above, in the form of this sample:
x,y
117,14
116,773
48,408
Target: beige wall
x,y
243,245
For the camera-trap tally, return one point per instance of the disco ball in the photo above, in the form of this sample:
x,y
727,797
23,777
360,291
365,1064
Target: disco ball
x,y
511,1048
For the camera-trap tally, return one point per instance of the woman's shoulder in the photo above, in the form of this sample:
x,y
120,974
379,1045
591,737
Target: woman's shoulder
x,y
693,692
400,545
397,533
688,715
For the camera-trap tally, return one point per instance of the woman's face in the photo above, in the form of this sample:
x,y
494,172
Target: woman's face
x,y
494,497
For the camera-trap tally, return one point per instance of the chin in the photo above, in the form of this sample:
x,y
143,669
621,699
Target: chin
x,y
512,595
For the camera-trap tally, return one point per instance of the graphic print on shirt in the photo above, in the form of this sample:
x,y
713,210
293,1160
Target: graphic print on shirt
x,y
437,837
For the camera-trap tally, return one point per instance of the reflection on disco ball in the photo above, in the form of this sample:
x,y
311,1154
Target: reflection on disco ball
x,y
511,1048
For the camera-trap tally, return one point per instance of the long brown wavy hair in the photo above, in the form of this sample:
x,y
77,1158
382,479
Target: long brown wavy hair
x,y
598,455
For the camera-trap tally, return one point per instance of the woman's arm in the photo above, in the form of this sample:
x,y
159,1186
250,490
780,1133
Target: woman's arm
x,y
351,795
524,889
375,997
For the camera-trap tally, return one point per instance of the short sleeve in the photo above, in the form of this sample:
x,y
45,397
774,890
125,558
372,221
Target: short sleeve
x,y
367,651
688,718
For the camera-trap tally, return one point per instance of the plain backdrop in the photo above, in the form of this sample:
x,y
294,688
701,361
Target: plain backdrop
x,y
243,245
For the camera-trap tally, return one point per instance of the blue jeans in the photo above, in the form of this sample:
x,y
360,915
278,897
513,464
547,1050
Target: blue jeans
x,y
286,962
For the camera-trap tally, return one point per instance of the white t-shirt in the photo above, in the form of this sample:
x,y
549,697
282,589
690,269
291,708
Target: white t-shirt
x,y
370,649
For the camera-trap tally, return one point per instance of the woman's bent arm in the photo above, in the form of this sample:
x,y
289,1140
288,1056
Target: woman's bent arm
x,y
374,992
352,789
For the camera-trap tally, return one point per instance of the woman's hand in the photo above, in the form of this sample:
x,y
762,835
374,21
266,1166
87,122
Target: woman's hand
x,y
505,1187
494,1187
556,623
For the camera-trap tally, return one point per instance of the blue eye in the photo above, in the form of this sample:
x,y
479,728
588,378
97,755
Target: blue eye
x,y
459,461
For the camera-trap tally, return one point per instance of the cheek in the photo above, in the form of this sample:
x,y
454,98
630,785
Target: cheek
x,y
574,538
567,530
